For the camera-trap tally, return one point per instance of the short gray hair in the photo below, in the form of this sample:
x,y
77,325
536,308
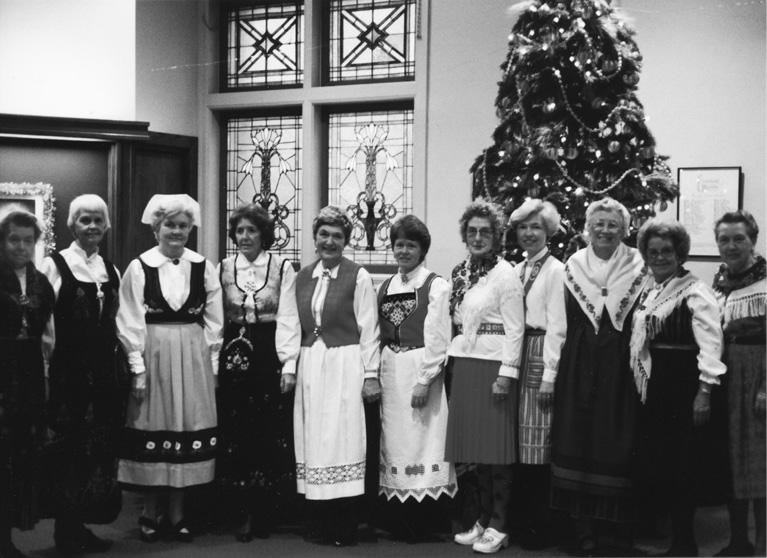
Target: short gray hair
x,y
333,216
671,230
611,206
87,202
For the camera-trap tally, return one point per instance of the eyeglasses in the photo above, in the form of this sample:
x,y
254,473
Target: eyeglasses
x,y
665,253
482,233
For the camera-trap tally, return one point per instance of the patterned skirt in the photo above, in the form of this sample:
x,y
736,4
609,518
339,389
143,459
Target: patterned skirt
x,y
170,435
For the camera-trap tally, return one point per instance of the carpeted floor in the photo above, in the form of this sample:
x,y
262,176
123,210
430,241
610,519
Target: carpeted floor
x,y
711,529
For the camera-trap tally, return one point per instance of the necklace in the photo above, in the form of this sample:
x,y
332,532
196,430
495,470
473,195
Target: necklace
x,y
467,274
249,288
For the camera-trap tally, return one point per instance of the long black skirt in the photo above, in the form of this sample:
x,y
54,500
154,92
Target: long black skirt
x,y
256,455
674,459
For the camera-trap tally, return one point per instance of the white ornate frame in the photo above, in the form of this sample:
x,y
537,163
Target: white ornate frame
x,y
40,196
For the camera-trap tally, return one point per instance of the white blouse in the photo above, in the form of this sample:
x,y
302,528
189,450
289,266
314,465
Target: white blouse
x,y
287,337
437,329
545,308
497,298
175,285
365,312
88,269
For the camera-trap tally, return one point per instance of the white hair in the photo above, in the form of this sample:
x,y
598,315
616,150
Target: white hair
x,y
87,202
609,205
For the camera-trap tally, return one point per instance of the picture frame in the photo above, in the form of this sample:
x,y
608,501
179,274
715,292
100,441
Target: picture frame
x,y
37,199
705,194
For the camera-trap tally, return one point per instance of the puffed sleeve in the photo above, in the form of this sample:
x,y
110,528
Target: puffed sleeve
x,y
707,329
556,323
51,272
366,313
288,335
213,316
131,325
436,331
512,308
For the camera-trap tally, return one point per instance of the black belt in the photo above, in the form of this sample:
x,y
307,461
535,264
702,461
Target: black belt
x,y
534,331
674,346
744,340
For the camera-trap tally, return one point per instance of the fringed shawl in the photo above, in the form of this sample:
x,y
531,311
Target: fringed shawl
x,y
626,277
656,305
743,295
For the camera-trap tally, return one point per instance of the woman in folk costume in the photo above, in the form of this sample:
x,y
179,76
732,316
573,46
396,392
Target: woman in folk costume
x,y
337,367
86,404
741,287
256,460
170,322
414,315
487,308
676,347
542,276
595,404
26,339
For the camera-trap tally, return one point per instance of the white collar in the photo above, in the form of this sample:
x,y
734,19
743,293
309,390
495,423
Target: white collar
x,y
318,269
243,263
413,274
154,258
77,249
539,255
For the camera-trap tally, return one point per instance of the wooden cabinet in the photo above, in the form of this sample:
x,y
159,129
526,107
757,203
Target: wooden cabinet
x,y
123,162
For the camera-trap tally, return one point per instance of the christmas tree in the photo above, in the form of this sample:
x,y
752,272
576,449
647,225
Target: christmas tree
x,y
571,127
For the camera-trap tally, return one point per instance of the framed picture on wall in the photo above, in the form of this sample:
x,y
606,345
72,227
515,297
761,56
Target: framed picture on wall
x,y
38,200
705,194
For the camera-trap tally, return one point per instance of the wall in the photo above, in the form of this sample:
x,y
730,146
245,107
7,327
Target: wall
x,y
69,58
166,65
703,85
467,51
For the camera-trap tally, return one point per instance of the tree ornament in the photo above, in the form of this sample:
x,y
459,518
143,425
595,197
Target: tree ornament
x,y
614,146
597,103
631,79
647,152
571,152
663,205
609,66
551,152
549,106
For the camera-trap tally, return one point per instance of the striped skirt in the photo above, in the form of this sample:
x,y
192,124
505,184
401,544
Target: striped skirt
x,y
534,422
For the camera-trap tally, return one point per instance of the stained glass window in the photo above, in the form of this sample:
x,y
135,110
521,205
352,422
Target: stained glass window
x,y
371,40
263,165
370,175
265,45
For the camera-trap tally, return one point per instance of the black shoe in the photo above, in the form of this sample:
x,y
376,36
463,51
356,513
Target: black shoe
x,y
149,530
181,532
